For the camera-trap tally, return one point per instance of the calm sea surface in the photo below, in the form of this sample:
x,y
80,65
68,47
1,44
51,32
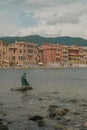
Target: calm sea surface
x,y
62,87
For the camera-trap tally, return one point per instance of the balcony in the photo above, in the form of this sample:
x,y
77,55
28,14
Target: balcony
x,y
58,57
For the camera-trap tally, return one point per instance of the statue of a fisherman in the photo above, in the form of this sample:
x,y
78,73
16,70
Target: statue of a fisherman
x,y
24,80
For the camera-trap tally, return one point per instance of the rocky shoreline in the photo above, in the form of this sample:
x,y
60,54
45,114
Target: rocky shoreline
x,y
58,117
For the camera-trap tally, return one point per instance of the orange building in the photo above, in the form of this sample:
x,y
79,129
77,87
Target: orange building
x,y
23,53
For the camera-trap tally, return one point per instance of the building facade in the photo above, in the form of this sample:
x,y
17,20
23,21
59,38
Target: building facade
x,y
3,53
23,53
26,53
63,55
48,53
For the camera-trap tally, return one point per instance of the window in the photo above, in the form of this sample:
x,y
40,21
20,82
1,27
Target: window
x,y
30,51
13,58
24,50
20,50
31,46
13,50
24,45
22,58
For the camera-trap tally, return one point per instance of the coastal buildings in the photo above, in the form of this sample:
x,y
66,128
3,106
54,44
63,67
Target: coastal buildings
x,y
23,53
48,54
3,53
63,56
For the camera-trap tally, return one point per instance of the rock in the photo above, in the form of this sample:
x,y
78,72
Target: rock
x,y
62,112
22,88
3,124
40,99
52,107
3,127
55,111
52,111
36,118
52,114
39,120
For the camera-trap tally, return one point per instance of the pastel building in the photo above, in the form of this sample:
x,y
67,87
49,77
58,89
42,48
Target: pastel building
x,y
62,55
85,54
75,54
48,53
82,55
3,53
58,53
64,58
23,53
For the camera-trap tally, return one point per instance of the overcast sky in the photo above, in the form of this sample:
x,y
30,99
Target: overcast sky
x,y
48,18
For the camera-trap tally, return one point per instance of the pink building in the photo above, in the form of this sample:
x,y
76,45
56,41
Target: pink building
x,y
48,53
23,53
54,53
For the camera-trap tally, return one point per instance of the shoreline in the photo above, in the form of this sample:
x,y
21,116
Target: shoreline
x,y
39,67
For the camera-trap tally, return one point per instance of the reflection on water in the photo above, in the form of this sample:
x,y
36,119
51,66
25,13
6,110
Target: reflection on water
x,y
24,97
61,87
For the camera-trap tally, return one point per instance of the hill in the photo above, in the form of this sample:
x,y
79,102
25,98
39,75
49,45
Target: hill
x,y
40,40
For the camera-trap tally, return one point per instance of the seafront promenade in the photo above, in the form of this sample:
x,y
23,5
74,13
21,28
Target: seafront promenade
x,y
43,67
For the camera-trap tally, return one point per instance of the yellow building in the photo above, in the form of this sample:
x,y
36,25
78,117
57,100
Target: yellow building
x,y
3,53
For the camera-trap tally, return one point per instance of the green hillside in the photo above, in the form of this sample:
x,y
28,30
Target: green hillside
x,y
40,40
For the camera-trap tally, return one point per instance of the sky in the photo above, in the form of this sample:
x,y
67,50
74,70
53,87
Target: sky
x,y
48,18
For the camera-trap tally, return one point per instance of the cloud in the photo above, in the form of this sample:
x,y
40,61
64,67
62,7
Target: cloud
x,y
46,18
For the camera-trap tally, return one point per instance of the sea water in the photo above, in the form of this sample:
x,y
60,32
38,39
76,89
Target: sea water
x,y
65,88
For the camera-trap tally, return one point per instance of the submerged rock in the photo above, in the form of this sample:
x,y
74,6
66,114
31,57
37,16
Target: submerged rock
x,y
3,127
55,111
36,118
52,114
52,108
62,112
52,111
40,99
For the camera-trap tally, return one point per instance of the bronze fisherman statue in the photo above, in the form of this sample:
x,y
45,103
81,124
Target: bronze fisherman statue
x,y
24,80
